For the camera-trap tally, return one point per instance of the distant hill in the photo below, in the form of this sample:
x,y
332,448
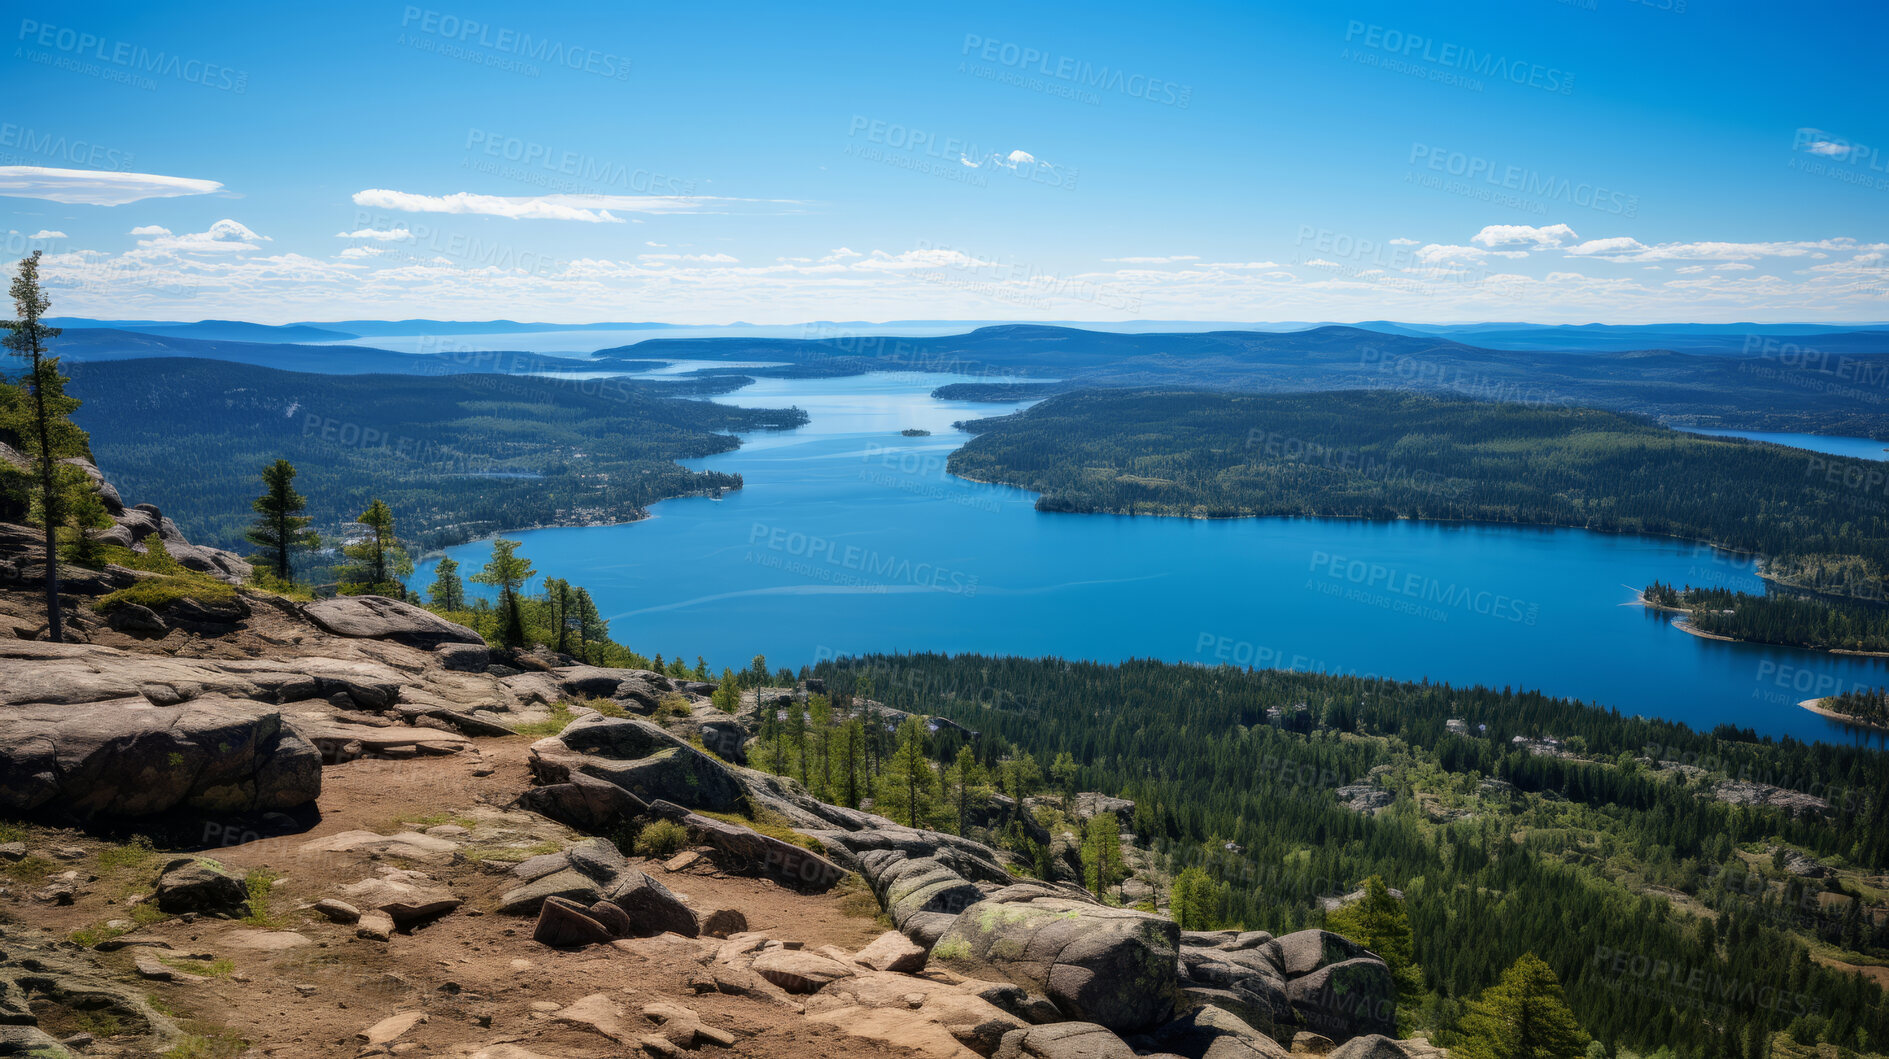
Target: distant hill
x,y
214,330
86,344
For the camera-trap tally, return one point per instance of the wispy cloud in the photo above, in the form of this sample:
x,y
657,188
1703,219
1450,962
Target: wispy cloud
x,y
383,235
96,187
591,209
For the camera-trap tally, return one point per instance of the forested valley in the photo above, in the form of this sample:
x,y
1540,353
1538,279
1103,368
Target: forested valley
x,y
1656,868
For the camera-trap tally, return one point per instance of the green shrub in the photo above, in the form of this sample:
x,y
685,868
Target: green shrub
x,y
661,839
159,592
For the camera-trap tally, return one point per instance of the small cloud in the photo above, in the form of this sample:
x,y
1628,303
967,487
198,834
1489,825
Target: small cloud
x,y
1403,242
149,229
225,236
1169,260
362,251
384,235
1735,266
44,233
1544,238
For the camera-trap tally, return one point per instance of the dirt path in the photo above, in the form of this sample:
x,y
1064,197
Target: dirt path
x,y
299,985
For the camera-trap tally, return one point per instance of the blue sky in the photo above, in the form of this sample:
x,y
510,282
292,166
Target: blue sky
x,y
1605,160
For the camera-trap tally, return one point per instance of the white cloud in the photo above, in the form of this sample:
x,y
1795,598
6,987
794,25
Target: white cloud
x,y
1736,266
149,229
593,209
45,233
354,252
225,236
1628,249
95,187
384,235
1438,253
1152,260
1544,238
1403,242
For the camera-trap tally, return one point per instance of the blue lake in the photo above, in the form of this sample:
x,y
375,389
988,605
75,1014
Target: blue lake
x,y
1860,448
849,538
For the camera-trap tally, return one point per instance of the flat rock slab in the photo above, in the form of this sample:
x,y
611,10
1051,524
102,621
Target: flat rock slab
x,y
893,951
597,1013
380,618
391,1028
799,972
265,940
404,902
409,844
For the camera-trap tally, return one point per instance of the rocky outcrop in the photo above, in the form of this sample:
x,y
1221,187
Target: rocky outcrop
x,y
134,528
131,757
639,757
380,618
748,852
190,884
1110,966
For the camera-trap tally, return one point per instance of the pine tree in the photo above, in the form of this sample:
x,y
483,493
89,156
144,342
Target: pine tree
x,y
909,785
850,755
448,592
1102,852
820,724
1062,772
41,420
1379,922
1194,900
507,571
1522,1016
282,529
591,628
968,786
727,696
560,605
379,559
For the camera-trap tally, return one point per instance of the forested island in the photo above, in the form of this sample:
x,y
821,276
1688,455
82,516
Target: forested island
x,y
1512,822
460,456
1865,707
1386,455
1790,620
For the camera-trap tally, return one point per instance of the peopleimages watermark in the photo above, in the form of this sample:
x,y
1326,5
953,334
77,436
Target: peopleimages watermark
x,y
1248,654
1447,62
31,145
1399,265
562,170
1041,70
1280,446
825,559
1700,988
120,60
1407,591
1838,158
1518,187
502,48
1414,372
921,473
